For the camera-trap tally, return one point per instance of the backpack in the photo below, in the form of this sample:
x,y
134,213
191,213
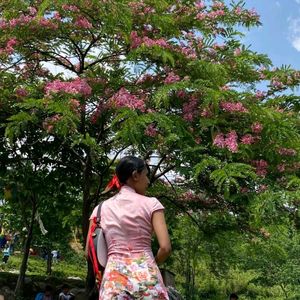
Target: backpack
x,y
97,247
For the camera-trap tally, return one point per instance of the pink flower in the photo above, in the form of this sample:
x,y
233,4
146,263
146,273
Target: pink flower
x,y
261,167
32,11
262,188
20,92
231,141
198,140
82,22
238,10
48,23
136,41
125,99
77,86
256,127
237,52
225,88
206,113
57,16
287,151
233,107
277,84
200,5
281,168
218,5
171,78
244,190
49,123
75,104
151,130
70,8
248,139
3,24
189,109
260,94
201,16
11,43
219,140
181,94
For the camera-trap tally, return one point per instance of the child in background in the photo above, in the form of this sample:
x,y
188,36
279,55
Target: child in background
x,y
47,295
65,294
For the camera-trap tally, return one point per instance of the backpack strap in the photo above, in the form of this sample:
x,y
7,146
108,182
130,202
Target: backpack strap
x,y
92,251
98,218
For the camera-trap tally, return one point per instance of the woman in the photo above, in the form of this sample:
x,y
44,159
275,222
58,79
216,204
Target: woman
x,y
128,220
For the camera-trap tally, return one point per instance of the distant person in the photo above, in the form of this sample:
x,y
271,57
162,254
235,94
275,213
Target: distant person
x,y
233,296
6,254
47,295
14,241
54,256
3,241
65,294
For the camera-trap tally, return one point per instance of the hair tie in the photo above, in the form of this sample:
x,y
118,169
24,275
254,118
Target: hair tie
x,y
114,183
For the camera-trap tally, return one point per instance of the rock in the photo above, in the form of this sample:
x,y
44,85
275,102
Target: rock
x,y
78,293
7,293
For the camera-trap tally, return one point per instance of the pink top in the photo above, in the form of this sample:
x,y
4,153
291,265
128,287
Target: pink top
x,y
126,220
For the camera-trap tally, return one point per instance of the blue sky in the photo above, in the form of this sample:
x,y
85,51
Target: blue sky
x,y
279,36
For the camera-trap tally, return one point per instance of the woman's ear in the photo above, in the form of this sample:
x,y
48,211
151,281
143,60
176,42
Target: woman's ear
x,y
134,175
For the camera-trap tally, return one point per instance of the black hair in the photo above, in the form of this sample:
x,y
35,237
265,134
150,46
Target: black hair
x,y
65,286
48,288
234,296
127,165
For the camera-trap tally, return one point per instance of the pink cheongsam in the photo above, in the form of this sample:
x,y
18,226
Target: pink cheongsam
x,y
131,271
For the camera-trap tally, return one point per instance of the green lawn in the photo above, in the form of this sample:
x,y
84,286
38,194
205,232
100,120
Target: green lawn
x,y
74,266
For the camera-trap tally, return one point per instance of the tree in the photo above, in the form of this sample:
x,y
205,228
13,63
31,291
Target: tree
x,y
150,77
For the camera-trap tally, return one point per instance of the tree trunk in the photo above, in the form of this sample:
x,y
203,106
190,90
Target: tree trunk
x,y
90,279
49,261
20,283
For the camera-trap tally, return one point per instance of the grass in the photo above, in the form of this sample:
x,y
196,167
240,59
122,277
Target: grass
x,y
73,266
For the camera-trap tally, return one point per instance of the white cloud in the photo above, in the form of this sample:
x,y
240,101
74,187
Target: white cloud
x,y
296,43
297,1
294,32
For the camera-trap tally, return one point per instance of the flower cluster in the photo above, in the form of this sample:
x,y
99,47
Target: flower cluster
x,y
256,127
49,123
9,48
137,41
21,92
99,109
287,151
248,139
140,8
77,86
125,99
151,130
83,22
190,108
233,107
171,78
260,95
228,141
261,167
74,105
72,8
277,84
47,23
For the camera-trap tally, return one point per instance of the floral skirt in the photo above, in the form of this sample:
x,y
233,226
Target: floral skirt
x,y
134,277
